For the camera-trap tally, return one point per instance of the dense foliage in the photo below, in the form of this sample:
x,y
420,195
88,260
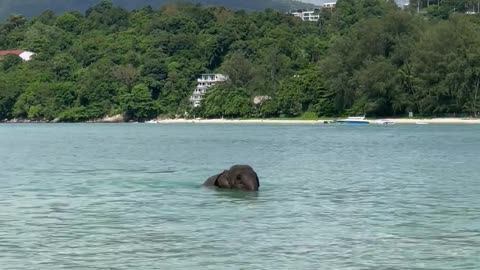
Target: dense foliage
x,y
365,57
31,8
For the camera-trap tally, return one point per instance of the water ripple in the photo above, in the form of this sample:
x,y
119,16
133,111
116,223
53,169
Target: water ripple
x,y
129,197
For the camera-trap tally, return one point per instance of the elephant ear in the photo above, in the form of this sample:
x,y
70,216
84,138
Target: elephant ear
x,y
222,180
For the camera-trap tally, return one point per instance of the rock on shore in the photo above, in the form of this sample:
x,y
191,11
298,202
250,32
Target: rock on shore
x,y
112,119
107,119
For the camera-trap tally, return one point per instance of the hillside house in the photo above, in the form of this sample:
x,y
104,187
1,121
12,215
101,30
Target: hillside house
x,y
330,5
308,15
204,82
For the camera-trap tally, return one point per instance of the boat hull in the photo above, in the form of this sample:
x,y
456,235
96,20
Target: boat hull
x,y
353,121
350,122
383,122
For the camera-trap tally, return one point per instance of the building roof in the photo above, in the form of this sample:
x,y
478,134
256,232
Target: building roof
x,y
14,52
25,55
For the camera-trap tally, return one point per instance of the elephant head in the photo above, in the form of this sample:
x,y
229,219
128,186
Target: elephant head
x,y
241,177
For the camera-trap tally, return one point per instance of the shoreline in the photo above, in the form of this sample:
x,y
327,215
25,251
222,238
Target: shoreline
x,y
419,121
450,121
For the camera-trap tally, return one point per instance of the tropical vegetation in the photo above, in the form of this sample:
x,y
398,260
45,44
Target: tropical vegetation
x,y
31,8
364,57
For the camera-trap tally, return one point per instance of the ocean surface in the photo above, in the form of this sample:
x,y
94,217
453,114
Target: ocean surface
x,y
129,196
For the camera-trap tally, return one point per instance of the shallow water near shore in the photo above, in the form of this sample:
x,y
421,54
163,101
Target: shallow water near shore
x,y
129,196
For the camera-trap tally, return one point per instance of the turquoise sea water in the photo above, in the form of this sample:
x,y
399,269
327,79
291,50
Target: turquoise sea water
x,y
128,196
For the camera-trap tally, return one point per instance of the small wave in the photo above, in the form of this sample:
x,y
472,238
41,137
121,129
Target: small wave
x,y
97,171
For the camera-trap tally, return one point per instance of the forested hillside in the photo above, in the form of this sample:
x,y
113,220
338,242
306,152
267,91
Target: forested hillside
x,y
365,57
35,7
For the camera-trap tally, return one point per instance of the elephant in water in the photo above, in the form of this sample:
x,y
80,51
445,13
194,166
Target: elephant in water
x,y
241,177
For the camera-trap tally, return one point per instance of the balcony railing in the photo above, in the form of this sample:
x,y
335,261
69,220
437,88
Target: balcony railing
x,y
196,98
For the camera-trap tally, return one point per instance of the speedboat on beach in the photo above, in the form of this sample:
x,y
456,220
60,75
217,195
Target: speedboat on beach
x,y
353,121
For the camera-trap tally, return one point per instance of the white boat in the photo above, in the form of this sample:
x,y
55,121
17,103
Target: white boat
x,y
421,123
384,122
354,121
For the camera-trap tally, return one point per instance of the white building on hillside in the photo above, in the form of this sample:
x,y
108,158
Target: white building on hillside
x,y
203,84
330,5
309,15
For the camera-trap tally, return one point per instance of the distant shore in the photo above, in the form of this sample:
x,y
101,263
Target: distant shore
x,y
418,121
319,121
237,121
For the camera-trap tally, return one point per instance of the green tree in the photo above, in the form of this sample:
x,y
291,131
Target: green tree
x,y
69,22
227,101
305,91
364,56
138,104
44,101
9,62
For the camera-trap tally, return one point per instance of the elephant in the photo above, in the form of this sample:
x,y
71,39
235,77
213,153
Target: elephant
x,y
241,177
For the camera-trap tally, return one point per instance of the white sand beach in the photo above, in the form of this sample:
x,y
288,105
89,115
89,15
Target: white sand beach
x,y
234,121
